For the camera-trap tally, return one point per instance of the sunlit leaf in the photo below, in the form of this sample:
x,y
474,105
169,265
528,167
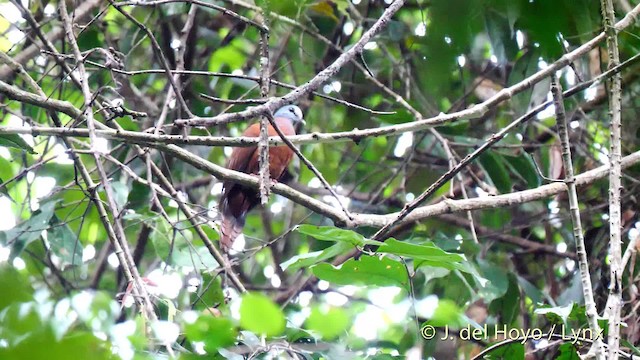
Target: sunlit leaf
x,y
30,230
261,315
426,251
331,233
562,312
15,141
21,290
308,259
328,322
368,270
215,332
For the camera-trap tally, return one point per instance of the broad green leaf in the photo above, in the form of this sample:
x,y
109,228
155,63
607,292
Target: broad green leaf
x,y
215,332
562,312
329,322
431,273
502,38
197,256
8,169
139,196
368,270
523,165
397,30
525,66
4,191
511,351
15,141
64,243
508,305
427,251
493,164
120,194
29,230
531,291
332,233
21,290
429,255
209,293
568,351
497,284
90,38
447,314
173,246
261,315
312,258
495,218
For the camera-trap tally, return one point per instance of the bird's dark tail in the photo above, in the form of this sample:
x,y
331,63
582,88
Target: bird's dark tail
x,y
230,229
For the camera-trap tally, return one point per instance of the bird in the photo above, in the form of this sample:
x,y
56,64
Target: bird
x,y
237,200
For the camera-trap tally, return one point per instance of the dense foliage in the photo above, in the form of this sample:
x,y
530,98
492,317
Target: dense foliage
x,y
493,248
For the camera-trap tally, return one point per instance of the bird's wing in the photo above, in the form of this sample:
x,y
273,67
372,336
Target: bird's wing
x,y
241,157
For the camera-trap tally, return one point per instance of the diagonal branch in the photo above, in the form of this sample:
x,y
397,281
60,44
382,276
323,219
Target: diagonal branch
x,y
120,244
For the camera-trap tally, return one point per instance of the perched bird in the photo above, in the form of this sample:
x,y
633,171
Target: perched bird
x,y
237,200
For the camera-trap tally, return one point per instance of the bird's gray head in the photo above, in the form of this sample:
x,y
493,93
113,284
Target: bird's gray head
x,y
291,112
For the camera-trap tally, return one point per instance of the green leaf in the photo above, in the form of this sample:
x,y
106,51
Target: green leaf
x,y
562,312
427,251
29,230
531,291
567,352
139,196
261,315
369,270
332,233
447,314
498,282
21,290
215,332
173,246
120,194
329,322
7,170
429,255
509,304
15,141
4,191
525,66
523,165
397,30
493,164
312,258
210,293
502,40
511,351
64,243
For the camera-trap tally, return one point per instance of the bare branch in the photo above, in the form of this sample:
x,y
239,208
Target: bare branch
x,y
578,234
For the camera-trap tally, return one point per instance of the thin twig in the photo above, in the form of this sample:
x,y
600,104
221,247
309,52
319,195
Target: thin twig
x,y
305,89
